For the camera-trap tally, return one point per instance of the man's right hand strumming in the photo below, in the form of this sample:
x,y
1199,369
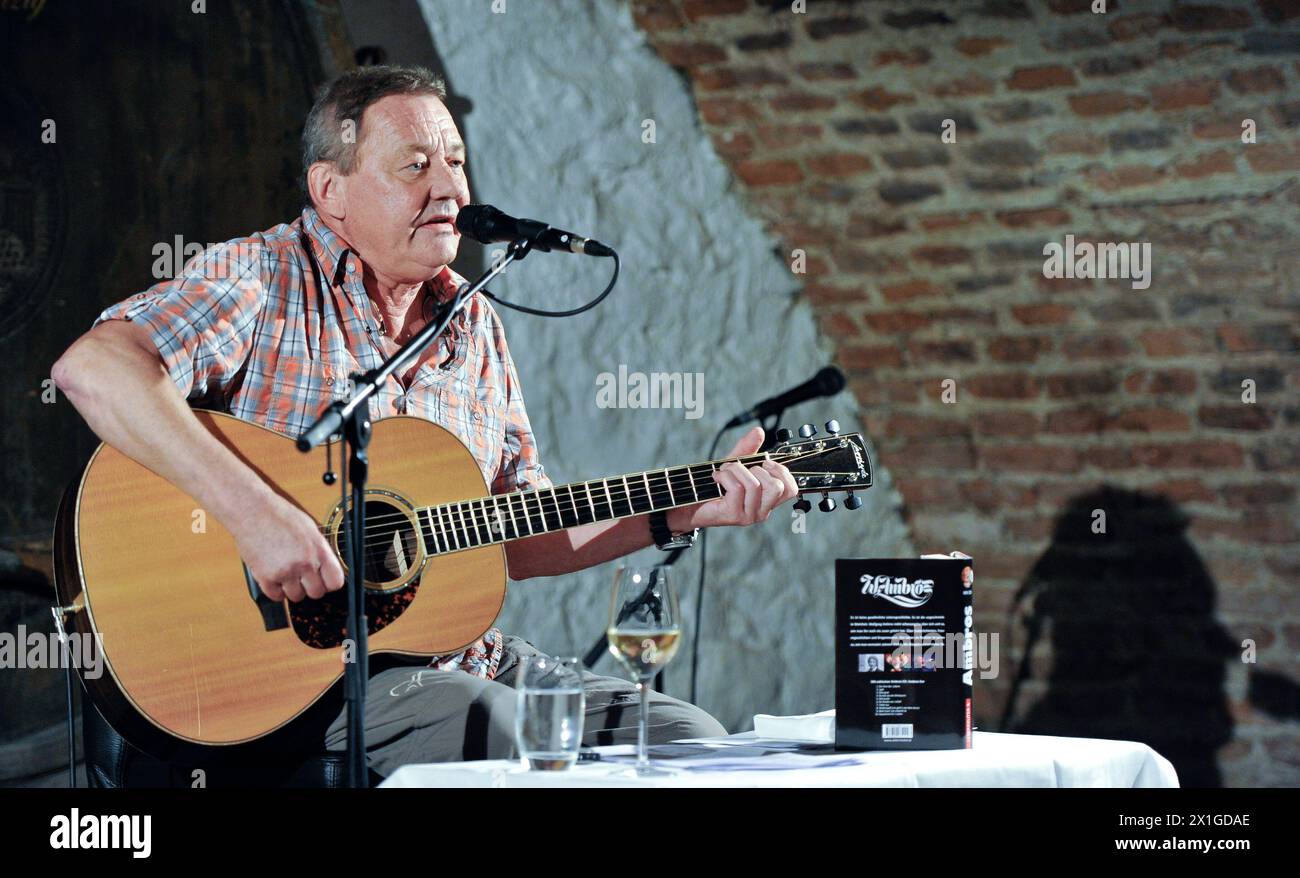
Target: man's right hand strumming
x,y
287,552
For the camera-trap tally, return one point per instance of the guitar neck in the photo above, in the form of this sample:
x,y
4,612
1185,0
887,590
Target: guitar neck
x,y
502,518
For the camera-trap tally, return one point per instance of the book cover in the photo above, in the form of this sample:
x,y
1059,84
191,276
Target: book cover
x,y
903,653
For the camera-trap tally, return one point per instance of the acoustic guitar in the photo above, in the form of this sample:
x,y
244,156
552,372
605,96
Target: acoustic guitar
x,y
195,654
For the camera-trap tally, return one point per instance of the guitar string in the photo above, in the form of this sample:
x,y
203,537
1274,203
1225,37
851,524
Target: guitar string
x,y
465,530
470,524
679,480
675,475
675,478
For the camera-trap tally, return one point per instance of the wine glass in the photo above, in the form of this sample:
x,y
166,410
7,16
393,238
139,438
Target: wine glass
x,y
644,633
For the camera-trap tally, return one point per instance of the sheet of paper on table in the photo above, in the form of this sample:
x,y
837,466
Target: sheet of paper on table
x,y
752,755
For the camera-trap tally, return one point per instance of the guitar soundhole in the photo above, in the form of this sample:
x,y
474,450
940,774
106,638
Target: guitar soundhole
x,y
392,546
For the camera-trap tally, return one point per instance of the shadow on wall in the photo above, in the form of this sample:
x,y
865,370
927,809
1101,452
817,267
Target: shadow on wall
x,y
1137,653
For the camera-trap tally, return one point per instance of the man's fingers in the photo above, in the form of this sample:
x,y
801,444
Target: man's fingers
x,y
751,491
736,483
783,474
772,491
748,444
293,591
312,584
332,573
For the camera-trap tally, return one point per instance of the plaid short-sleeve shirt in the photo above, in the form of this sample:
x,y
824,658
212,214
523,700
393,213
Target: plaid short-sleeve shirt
x,y
269,327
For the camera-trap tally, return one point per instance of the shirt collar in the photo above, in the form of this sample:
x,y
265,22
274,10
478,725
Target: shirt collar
x,y
332,254
330,250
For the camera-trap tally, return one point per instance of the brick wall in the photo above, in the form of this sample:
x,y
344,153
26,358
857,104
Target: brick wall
x,y
925,262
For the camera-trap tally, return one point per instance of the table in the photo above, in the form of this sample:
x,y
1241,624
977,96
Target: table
x,y
995,760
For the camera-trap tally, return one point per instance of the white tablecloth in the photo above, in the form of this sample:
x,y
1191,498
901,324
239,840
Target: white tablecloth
x,y
994,760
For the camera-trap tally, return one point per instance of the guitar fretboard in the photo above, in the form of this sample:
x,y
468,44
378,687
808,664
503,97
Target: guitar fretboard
x,y
501,518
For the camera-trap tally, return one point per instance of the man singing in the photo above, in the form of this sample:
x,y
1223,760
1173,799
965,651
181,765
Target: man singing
x,y
269,327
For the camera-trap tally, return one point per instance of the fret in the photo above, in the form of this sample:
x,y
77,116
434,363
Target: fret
x,y
448,528
567,510
638,494
466,532
685,486
708,489
478,511
471,523
620,502
668,482
431,539
514,502
518,509
586,487
500,519
690,474
540,525
649,492
516,531
467,522
574,510
459,512
582,507
661,496
551,510
607,507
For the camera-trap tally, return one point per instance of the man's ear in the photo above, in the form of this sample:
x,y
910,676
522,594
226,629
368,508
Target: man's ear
x,y
327,188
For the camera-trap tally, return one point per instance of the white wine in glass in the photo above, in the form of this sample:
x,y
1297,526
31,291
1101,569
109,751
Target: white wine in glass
x,y
644,632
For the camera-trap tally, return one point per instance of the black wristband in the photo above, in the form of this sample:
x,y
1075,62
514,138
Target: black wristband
x,y
663,536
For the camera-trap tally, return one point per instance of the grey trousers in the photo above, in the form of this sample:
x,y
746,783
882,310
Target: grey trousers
x,y
422,715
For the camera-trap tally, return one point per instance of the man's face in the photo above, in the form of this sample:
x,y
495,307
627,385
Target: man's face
x,y
409,182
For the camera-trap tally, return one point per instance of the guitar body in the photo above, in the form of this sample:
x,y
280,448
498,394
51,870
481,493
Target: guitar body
x,y
190,657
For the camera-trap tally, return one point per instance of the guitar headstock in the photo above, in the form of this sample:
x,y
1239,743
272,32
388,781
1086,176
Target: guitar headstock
x,y
824,464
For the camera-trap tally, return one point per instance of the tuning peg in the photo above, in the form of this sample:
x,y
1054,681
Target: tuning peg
x,y
832,426
807,431
801,505
827,504
783,435
853,501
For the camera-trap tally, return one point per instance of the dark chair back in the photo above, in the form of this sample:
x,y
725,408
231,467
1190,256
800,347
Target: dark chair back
x,y
112,763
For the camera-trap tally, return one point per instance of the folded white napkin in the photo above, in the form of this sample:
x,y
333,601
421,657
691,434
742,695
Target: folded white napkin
x,y
817,728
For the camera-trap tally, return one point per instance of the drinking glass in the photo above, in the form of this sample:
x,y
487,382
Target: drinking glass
x,y
644,633
549,712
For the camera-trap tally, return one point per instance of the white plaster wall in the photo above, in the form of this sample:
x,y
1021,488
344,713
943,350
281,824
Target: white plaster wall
x,y
559,90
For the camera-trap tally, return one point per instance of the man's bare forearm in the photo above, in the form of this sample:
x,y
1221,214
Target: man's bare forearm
x,y
116,380
586,545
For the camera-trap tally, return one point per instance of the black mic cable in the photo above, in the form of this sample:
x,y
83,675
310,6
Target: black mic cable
x,y
488,225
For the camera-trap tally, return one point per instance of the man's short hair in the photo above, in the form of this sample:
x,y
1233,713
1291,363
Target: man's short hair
x,y
346,98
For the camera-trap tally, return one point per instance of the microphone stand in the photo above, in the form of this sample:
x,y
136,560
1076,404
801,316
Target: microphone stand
x,y
351,418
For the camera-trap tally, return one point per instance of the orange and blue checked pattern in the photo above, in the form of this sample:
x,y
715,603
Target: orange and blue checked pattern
x,y
269,327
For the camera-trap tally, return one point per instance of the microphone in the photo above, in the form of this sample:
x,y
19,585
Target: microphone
x,y
828,382
487,225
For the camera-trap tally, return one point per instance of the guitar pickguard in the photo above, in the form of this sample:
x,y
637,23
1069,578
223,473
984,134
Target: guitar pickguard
x,y
323,623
